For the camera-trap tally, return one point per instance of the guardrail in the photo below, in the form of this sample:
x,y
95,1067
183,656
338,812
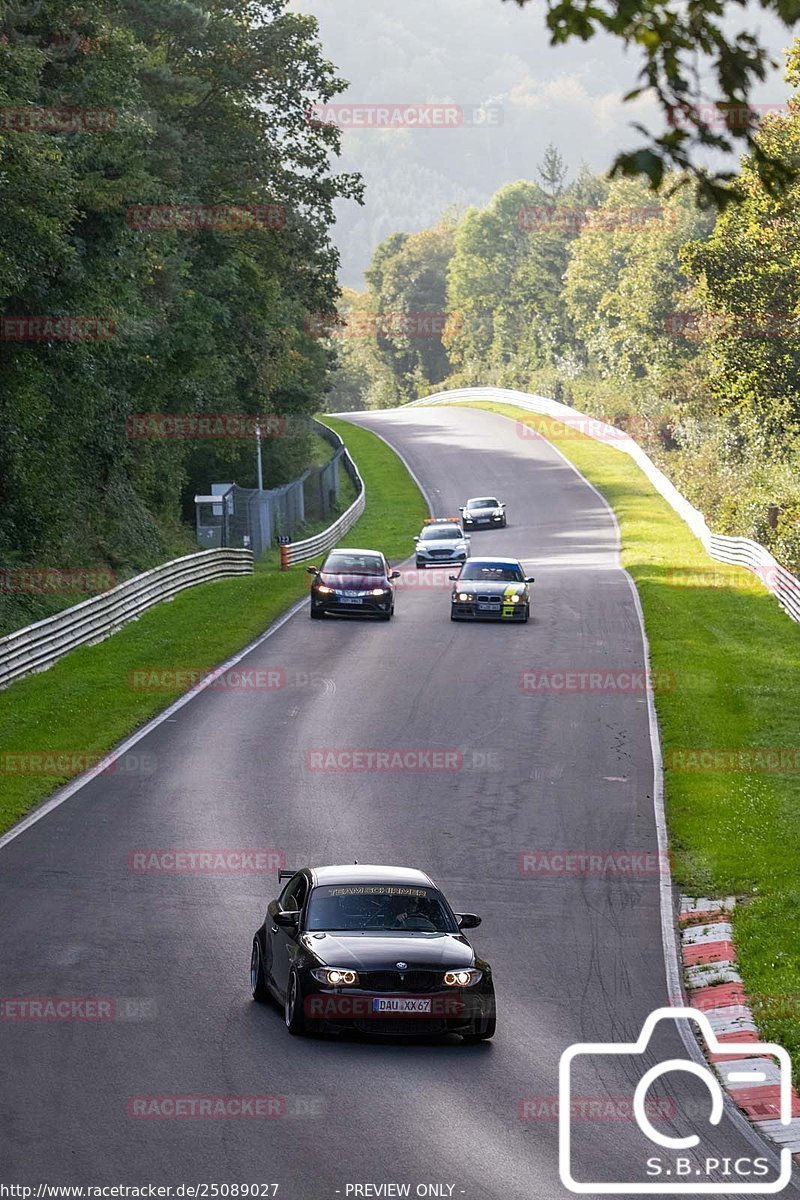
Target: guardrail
x,y
320,543
738,551
38,646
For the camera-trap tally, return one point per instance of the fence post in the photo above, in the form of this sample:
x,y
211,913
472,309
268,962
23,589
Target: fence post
x,y
284,557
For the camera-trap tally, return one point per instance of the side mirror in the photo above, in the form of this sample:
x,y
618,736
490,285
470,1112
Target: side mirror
x,y
461,507
395,575
288,918
467,537
502,505
416,539
453,577
530,579
467,920
312,571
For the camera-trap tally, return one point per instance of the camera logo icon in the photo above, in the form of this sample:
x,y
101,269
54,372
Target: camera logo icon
x,y
674,1172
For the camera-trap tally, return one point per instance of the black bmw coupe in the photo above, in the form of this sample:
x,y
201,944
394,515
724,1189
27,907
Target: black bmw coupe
x,y
373,949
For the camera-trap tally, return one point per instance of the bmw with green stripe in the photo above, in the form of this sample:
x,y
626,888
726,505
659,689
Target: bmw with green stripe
x,y
491,589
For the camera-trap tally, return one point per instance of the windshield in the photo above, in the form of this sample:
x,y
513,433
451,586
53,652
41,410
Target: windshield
x,y
493,572
440,533
387,907
353,564
484,502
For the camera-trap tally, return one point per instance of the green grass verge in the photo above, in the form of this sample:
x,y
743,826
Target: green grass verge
x,y
85,704
734,656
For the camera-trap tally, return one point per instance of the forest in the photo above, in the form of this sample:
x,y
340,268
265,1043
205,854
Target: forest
x,y
675,321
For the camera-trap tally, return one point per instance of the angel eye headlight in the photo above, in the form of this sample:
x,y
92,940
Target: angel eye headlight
x,y
335,976
467,977
513,599
465,595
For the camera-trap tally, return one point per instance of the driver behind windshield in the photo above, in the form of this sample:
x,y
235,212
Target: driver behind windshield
x,y
374,908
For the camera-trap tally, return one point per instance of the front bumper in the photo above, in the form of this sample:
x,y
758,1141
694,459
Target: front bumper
x,y
453,1011
484,522
336,604
469,609
428,560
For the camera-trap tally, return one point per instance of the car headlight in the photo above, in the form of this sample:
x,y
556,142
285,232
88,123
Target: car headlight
x,y
336,976
379,591
513,599
465,596
323,587
467,977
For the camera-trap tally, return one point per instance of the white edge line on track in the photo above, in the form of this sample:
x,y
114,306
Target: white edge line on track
x,y
672,960
75,785
394,450
80,781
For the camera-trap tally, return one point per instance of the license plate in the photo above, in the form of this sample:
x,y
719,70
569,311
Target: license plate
x,y
482,604
351,600
400,1004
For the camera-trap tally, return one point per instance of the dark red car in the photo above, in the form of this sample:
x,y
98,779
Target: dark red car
x,y
353,581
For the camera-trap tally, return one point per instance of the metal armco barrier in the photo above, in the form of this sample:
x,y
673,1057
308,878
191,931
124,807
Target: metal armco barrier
x,y
320,543
38,646
737,551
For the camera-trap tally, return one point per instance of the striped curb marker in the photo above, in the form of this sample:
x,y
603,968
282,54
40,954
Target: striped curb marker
x,y
715,988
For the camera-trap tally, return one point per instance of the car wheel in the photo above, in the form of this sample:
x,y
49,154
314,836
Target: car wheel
x,y
453,616
257,985
316,614
527,614
293,1007
420,565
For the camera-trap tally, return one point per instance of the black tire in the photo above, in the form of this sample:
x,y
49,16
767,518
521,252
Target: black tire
x,y
527,614
420,565
293,1007
257,983
453,616
503,523
316,614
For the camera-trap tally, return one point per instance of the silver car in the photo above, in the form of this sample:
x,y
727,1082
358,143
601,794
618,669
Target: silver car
x,y
485,511
441,543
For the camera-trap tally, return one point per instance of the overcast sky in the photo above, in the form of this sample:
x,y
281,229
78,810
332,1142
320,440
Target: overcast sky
x,y
476,52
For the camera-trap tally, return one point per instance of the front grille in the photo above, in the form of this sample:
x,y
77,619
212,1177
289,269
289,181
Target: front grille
x,y
396,981
406,1026
489,599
